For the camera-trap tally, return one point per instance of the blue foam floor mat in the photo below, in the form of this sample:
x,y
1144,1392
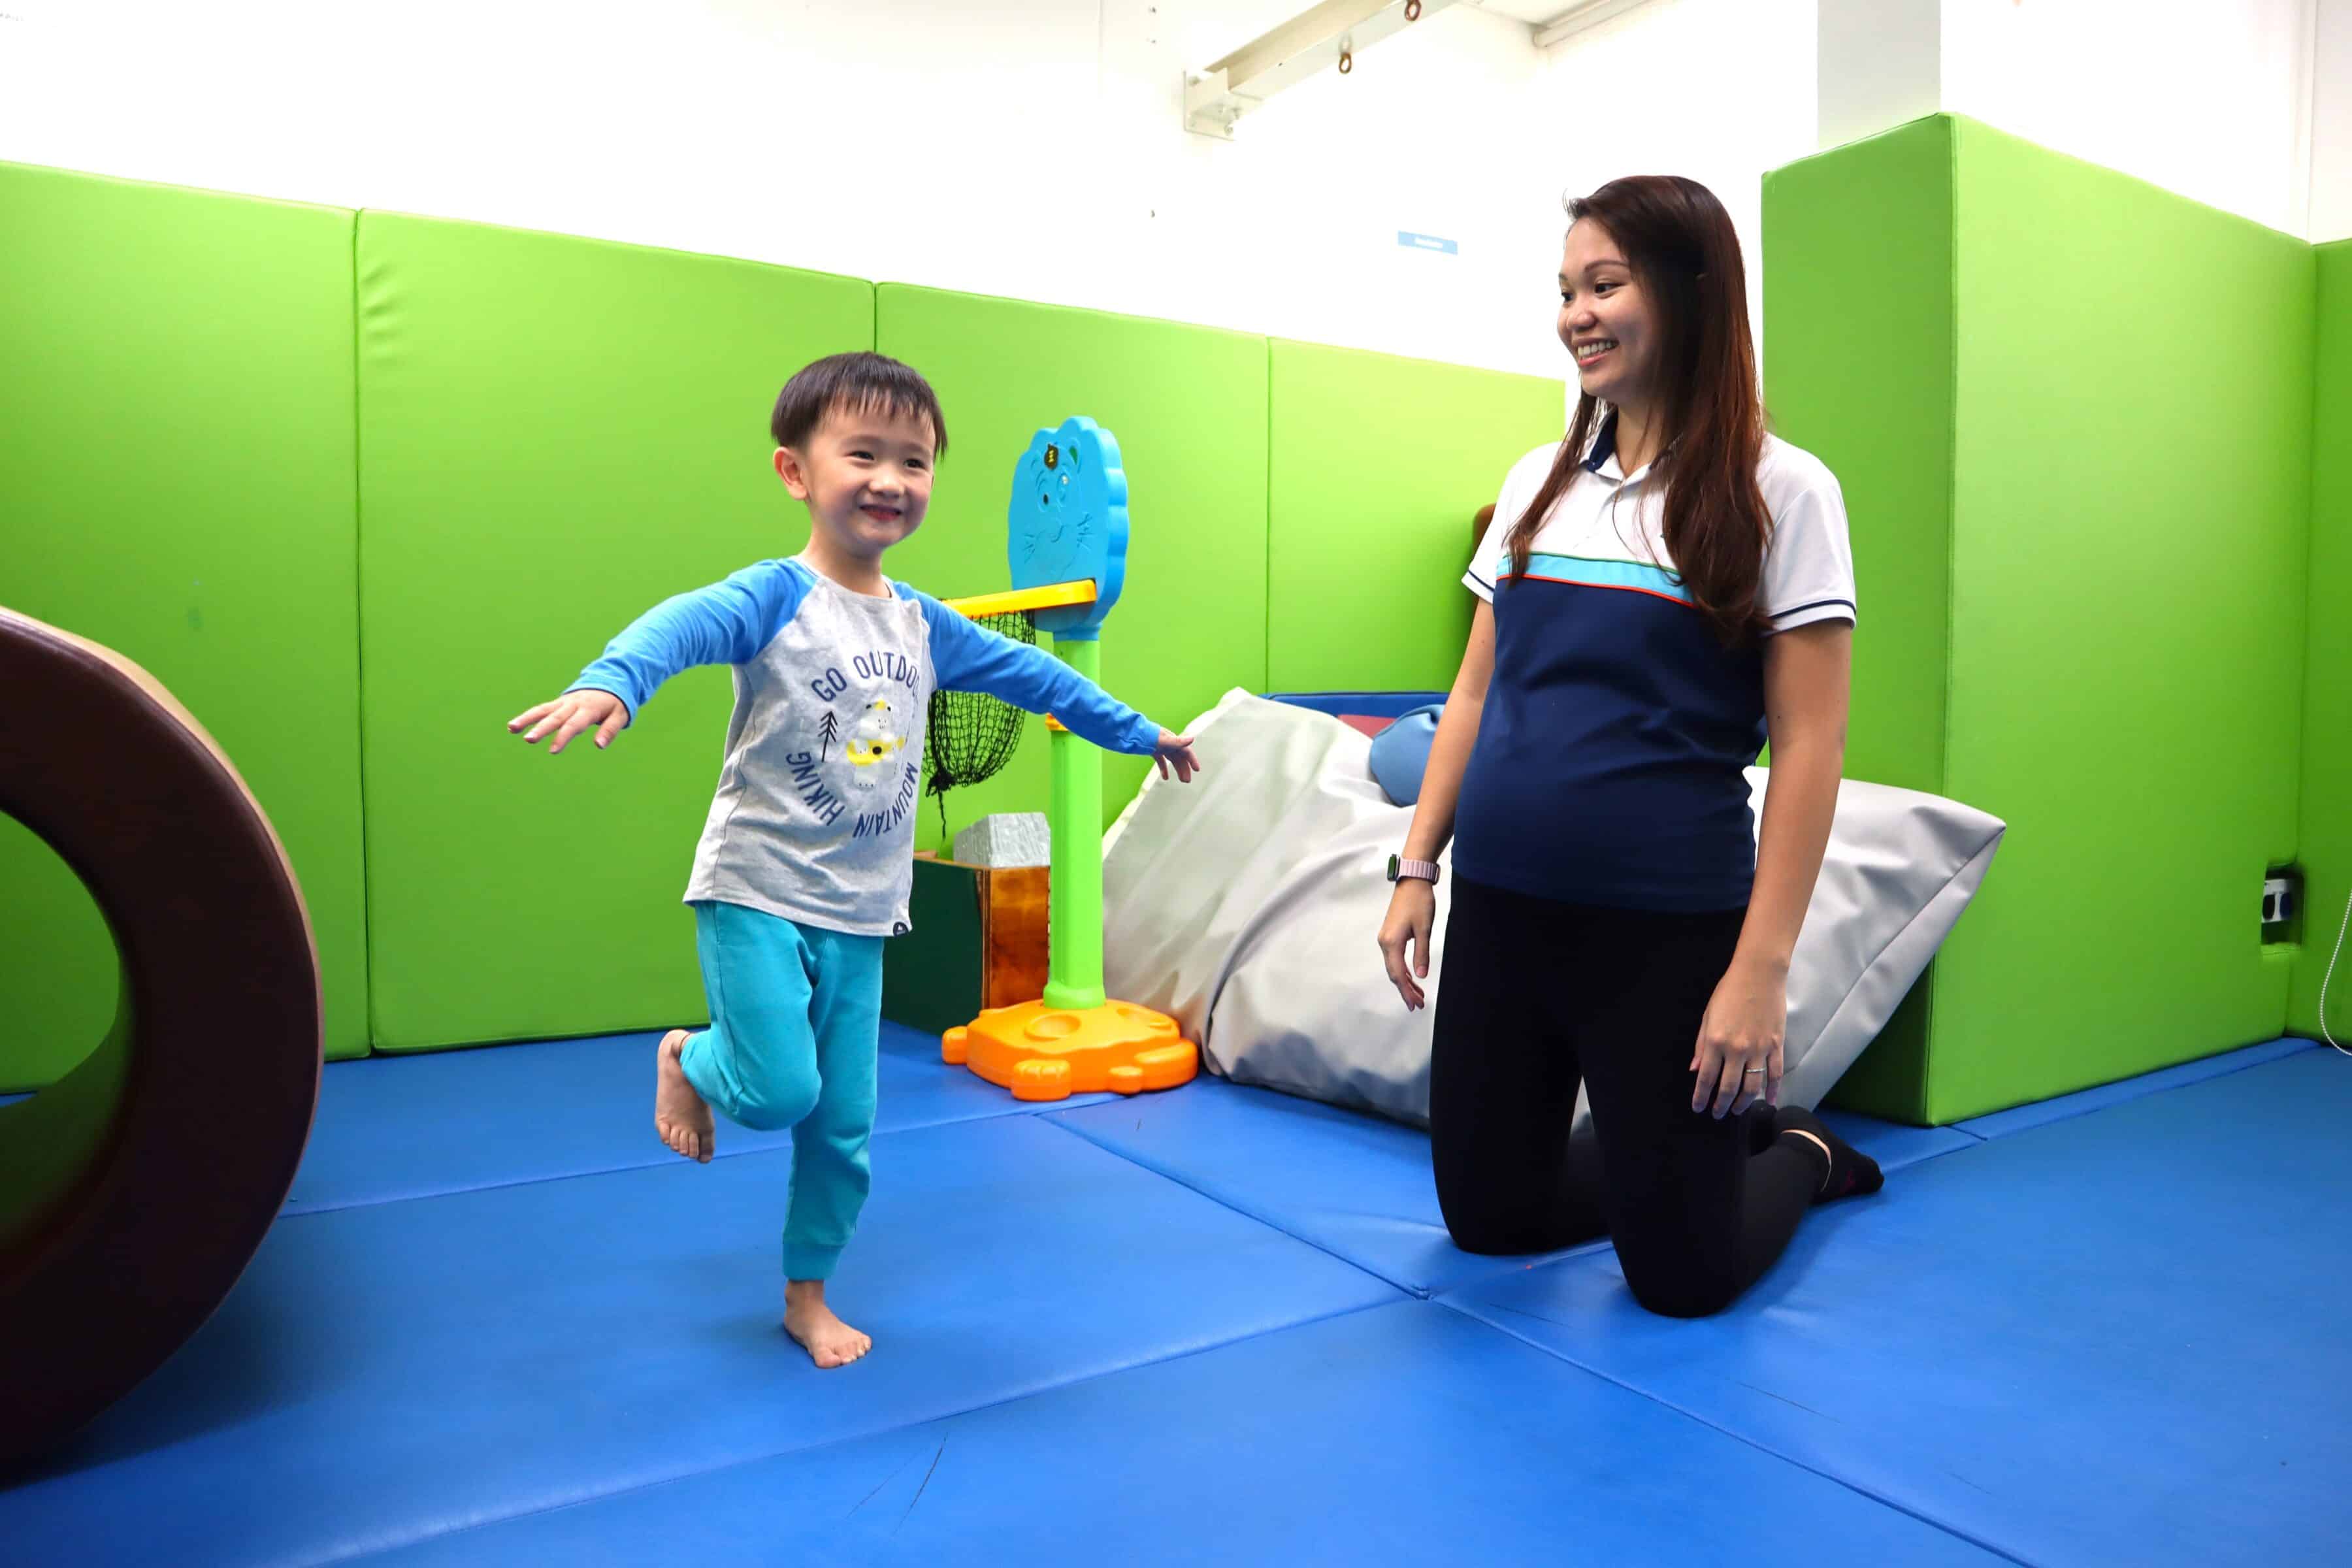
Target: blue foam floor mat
x,y
413,1126
2104,1336
387,1372
1354,1185
2109,1338
1402,1434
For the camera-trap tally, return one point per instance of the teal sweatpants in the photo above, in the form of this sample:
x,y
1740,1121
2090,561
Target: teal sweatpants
x,y
795,1026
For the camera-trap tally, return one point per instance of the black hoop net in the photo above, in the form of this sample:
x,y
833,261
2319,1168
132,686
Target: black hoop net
x,y
969,734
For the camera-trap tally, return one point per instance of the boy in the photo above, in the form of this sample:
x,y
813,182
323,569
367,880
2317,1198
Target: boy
x,y
806,859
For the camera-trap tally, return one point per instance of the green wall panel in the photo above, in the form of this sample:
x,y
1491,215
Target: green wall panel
x,y
1376,466
2325,842
2079,533
177,483
555,434
1858,371
1189,407
2131,513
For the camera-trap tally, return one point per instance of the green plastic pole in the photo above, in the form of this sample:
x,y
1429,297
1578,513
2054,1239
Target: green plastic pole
x,y
1074,922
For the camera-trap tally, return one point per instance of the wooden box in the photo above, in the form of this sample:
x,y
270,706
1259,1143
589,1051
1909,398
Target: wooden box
x,y
978,941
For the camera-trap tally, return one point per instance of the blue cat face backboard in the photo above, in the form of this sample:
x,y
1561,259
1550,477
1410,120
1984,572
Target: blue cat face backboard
x,y
1068,521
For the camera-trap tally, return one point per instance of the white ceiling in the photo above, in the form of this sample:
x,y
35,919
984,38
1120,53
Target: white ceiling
x,y
1535,13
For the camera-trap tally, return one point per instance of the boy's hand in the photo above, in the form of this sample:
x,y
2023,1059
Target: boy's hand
x,y
570,713
1178,750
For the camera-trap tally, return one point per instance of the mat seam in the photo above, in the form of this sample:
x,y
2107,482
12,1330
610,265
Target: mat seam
x,y
1413,1291
1856,1488
365,1554
2147,1093
360,662
648,1165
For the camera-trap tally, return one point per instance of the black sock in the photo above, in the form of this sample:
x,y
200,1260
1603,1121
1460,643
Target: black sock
x,y
1850,1171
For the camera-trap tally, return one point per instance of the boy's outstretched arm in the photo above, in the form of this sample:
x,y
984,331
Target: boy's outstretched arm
x,y
969,658
728,622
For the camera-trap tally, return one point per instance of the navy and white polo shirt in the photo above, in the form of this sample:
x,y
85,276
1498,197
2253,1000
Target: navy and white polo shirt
x,y
1609,764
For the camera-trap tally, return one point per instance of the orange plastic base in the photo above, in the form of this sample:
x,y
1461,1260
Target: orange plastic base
x,y
1051,1053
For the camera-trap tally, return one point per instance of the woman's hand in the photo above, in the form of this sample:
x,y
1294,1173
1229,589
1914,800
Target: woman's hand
x,y
1738,1061
1413,911
570,713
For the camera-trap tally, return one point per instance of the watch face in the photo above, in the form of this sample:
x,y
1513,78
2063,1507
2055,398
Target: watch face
x,y
1394,861
1068,521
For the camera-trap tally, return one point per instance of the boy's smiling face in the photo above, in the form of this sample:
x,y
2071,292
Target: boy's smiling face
x,y
865,476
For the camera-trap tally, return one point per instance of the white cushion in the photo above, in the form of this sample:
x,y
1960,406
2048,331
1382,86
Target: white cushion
x,y
1246,905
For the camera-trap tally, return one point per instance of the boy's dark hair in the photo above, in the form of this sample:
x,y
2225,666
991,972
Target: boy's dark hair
x,y
854,383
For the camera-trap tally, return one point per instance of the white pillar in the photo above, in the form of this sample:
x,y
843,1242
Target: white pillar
x,y
1881,65
2330,166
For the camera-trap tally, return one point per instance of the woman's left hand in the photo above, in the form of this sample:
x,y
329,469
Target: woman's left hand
x,y
1737,1062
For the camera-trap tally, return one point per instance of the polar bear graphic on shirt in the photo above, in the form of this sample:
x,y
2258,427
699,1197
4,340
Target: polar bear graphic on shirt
x,y
873,740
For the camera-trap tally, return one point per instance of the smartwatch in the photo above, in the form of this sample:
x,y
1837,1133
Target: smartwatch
x,y
1401,866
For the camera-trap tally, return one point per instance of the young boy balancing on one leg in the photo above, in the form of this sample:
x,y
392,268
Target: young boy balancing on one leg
x,y
806,859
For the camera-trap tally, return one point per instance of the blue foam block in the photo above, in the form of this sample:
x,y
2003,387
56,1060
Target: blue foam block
x,y
413,1126
2042,1112
1405,1434
1355,1186
388,1372
2107,1339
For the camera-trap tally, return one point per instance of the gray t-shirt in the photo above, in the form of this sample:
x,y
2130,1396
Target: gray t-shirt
x,y
815,814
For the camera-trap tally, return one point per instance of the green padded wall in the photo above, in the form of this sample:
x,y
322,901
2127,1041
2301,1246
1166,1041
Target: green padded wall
x,y
555,434
1859,371
1189,407
1378,464
177,483
2132,509
2120,649
2326,839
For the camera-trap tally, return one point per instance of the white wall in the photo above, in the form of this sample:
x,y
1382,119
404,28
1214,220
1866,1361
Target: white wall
x,y
1035,150
2331,122
2197,96
1718,90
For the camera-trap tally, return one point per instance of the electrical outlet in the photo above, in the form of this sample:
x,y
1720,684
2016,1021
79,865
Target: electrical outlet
x,y
2282,920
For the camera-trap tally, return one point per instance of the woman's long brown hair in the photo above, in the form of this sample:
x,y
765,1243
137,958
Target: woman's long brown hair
x,y
1679,243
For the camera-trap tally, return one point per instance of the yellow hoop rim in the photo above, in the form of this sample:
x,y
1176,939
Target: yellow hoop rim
x,y
1050,596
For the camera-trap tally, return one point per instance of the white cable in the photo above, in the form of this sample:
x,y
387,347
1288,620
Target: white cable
x,y
2331,974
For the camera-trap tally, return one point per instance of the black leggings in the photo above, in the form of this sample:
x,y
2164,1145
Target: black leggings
x,y
1538,996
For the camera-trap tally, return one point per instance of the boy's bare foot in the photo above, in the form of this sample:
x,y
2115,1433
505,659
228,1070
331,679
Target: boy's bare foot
x,y
828,1341
679,1115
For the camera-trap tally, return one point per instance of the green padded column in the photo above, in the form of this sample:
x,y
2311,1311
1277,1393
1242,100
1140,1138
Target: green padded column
x,y
176,483
2114,663
2325,841
2131,513
1376,466
1074,910
556,434
1189,407
1858,370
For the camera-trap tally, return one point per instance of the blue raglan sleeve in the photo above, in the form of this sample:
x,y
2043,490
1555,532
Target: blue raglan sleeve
x,y
968,657
727,623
